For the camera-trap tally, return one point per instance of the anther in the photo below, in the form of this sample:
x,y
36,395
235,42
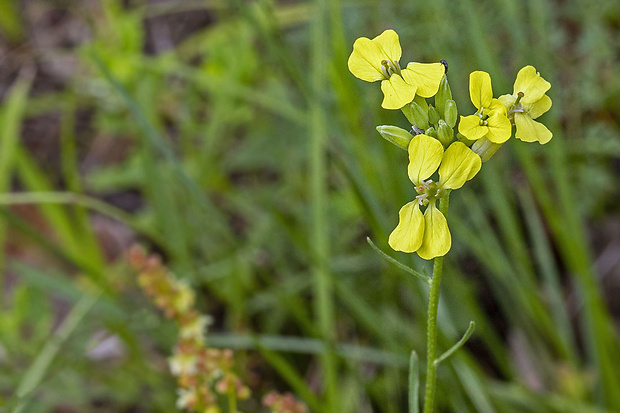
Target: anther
x,y
445,65
519,96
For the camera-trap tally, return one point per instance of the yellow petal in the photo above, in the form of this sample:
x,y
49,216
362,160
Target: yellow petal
x,y
436,241
497,106
471,128
388,42
539,107
425,76
480,89
500,128
528,130
507,100
459,164
407,236
531,84
424,157
365,60
396,93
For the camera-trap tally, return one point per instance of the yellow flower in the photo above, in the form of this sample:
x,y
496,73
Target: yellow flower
x,y
428,234
377,59
490,120
527,103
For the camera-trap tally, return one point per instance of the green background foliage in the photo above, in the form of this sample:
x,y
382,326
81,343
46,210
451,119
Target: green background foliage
x,y
230,137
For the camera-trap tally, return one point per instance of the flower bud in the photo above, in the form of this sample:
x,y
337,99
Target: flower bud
x,y
433,115
431,132
485,148
450,113
443,94
416,114
421,101
395,135
445,133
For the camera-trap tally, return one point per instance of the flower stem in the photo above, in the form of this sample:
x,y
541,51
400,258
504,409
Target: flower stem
x,y
232,400
431,328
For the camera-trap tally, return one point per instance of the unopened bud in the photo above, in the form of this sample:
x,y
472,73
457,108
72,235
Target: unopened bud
x,y
433,115
416,114
431,132
485,148
445,133
395,135
421,101
450,113
443,94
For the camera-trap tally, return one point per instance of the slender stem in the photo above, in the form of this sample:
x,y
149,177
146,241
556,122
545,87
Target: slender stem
x,y
431,328
232,400
319,234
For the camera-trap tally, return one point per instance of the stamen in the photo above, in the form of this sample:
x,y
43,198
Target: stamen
x,y
422,199
416,131
394,66
519,96
385,72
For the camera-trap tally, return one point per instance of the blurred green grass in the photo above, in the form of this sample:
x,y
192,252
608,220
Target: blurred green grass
x,y
231,138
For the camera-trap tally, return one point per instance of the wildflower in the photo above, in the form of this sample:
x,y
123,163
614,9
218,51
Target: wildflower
x,y
184,297
183,363
490,121
283,403
428,234
377,59
527,103
193,326
186,399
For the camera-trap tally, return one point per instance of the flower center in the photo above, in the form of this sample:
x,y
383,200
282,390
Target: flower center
x,y
483,114
516,107
389,67
428,191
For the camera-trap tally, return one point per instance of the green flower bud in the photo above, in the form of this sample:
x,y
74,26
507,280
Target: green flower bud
x,y
421,101
485,148
433,115
416,115
431,132
443,94
445,133
450,113
395,135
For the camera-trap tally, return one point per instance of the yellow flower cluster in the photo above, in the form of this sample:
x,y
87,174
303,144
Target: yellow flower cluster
x,y
432,143
203,374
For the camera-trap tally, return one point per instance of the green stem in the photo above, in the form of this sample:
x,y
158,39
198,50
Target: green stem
x,y
232,400
319,235
431,328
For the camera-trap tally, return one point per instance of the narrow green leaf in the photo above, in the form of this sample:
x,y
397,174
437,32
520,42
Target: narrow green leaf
x,y
398,264
458,345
